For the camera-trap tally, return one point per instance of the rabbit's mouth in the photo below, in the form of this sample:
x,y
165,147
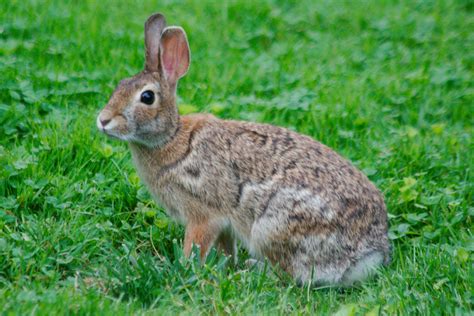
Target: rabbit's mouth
x,y
112,127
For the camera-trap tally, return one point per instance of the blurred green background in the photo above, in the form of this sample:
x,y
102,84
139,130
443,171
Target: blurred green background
x,y
388,84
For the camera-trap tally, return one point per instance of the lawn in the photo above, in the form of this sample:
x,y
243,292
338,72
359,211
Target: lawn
x,y
387,84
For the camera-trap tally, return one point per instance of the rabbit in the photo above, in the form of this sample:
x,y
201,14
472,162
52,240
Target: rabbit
x,y
286,197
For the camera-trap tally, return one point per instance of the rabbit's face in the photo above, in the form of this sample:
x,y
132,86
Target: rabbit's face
x,y
142,109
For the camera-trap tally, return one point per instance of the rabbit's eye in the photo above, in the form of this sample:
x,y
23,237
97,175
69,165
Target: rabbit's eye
x,y
147,97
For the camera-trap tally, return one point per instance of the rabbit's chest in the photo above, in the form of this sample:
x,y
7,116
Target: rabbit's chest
x,y
186,194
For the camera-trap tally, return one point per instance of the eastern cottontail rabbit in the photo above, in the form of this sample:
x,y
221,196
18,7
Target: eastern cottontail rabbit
x,y
287,197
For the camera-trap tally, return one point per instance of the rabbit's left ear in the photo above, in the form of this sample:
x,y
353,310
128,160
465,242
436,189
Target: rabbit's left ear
x,y
154,27
174,54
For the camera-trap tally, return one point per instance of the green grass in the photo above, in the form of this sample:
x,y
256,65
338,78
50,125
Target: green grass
x,y
388,85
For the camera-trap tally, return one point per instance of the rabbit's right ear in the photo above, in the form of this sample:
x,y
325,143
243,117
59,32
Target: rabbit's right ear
x,y
154,26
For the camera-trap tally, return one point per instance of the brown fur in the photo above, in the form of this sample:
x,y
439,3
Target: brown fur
x,y
201,234
285,196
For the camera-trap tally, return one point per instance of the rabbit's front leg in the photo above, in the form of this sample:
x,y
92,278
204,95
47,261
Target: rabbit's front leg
x,y
203,234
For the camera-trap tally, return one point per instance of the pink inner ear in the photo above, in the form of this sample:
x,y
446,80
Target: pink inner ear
x,y
174,55
170,59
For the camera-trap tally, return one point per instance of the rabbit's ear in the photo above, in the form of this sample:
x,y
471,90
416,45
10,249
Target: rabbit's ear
x,y
154,27
174,53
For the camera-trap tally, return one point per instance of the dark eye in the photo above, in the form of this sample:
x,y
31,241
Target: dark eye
x,y
147,97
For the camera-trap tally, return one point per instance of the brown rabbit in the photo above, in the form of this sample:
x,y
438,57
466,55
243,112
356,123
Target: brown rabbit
x,y
285,196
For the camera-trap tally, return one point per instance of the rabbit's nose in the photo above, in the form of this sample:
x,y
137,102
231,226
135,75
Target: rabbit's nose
x,y
104,122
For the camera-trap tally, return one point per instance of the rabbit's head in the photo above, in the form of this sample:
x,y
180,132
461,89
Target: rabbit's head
x,y
142,108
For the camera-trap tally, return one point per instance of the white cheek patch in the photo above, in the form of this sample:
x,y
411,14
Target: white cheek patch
x,y
128,113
